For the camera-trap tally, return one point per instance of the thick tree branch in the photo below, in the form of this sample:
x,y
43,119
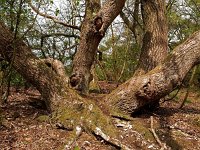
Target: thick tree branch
x,y
56,20
34,70
93,28
109,12
145,89
155,41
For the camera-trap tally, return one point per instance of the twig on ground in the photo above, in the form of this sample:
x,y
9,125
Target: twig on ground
x,y
162,145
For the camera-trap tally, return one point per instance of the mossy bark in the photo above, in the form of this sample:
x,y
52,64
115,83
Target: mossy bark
x,y
66,106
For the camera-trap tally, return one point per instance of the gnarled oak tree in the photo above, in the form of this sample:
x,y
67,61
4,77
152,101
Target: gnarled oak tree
x,y
70,109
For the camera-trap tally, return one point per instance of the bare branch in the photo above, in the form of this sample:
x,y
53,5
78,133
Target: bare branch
x,y
129,24
135,26
60,34
132,25
56,20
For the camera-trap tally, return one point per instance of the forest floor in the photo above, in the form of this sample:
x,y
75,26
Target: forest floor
x,y
23,129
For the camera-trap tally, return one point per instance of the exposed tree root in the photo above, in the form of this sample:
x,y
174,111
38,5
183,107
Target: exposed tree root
x,y
97,132
91,120
112,141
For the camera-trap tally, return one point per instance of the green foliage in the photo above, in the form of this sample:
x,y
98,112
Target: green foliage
x,y
77,2
57,11
16,79
10,74
51,2
9,11
76,148
183,20
2,2
120,57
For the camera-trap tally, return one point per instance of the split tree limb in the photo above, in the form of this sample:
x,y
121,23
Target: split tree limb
x,y
97,19
57,66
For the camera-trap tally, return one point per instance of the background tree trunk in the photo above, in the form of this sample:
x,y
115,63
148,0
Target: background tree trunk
x,y
155,40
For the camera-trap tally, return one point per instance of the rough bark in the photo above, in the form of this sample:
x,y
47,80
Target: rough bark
x,y
46,80
68,110
71,110
154,46
157,83
93,29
